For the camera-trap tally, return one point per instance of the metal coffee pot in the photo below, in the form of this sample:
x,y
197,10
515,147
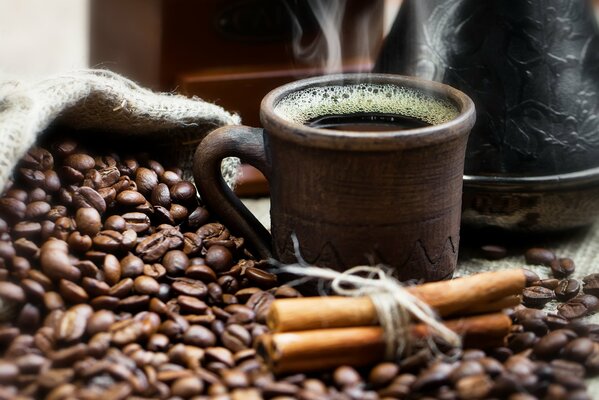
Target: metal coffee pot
x,y
532,69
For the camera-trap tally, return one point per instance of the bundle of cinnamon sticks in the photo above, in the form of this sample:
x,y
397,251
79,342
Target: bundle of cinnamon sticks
x,y
316,333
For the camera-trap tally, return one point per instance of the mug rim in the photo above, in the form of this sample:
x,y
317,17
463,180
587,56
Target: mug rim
x,y
282,128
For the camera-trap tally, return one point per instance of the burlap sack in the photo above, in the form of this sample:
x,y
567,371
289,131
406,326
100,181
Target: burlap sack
x,y
104,101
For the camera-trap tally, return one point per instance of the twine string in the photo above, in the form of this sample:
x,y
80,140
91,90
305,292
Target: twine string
x,y
396,308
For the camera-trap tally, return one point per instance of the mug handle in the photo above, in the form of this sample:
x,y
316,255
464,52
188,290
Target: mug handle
x,y
232,141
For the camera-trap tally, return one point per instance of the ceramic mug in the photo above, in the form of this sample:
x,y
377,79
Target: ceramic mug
x,y
351,192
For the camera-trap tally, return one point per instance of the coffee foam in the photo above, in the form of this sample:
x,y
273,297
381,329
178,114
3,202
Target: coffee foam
x,y
308,104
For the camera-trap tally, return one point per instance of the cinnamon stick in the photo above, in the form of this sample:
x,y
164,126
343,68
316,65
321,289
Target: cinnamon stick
x,y
493,306
483,292
358,346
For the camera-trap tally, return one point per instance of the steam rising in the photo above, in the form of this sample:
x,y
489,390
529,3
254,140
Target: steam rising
x,y
327,50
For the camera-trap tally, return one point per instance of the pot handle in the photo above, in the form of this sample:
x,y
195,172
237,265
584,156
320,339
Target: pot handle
x,y
232,141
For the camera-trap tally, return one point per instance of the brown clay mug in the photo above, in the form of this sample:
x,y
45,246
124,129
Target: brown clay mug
x,y
355,186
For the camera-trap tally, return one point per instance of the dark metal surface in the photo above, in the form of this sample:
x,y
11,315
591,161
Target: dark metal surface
x,y
532,68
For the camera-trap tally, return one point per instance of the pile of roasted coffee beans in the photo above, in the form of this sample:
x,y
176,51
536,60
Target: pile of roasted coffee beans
x,y
116,283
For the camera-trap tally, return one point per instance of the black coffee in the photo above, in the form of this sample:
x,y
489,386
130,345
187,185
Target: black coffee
x,y
366,123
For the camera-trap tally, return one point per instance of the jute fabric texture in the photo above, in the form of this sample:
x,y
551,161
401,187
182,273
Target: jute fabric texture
x,y
100,100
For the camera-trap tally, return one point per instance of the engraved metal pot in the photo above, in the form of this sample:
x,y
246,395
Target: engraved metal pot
x,y
532,69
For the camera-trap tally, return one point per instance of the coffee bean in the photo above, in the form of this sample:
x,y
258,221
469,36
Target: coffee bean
x,y
72,292
51,181
88,221
260,278
112,269
539,256
109,196
107,240
535,325
547,283
579,306
521,341
116,223
556,322
567,368
593,332
38,158
474,387
86,197
155,166
187,387
192,244
466,368
228,284
236,338
531,277
579,327
178,212
536,296
592,363
146,180
191,304
169,178
551,344
383,373
175,262
11,292
63,228
146,285
153,247
55,261
73,323
198,335
219,258
37,210
578,350
135,303
12,209
122,288
31,363
79,243
235,379
567,289
198,217
8,372
131,266
562,268
591,284
80,162
31,178
100,321
183,192
190,287
155,271
143,325
130,198
27,229
260,302
129,240
161,196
